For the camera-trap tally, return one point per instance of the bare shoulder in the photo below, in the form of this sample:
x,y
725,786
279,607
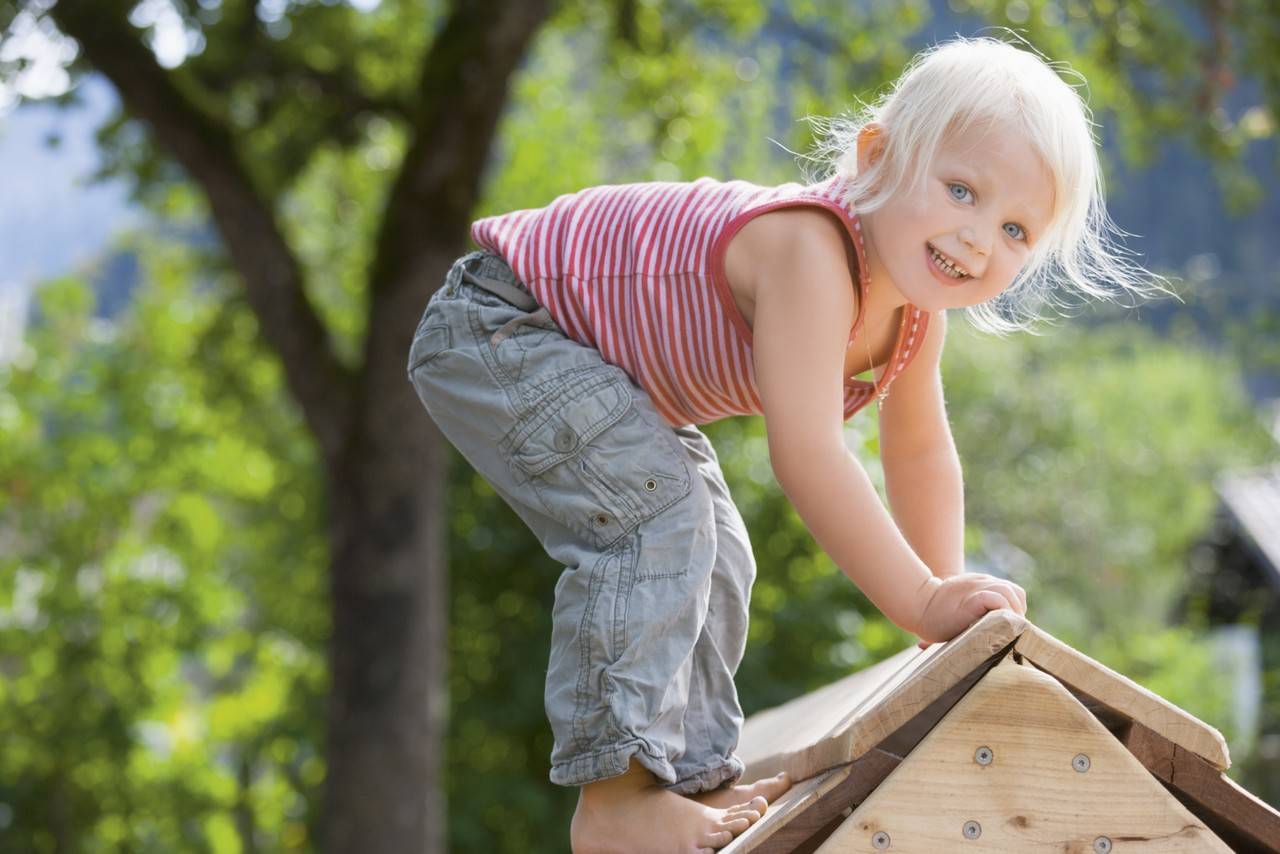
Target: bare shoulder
x,y
787,235
804,307
775,247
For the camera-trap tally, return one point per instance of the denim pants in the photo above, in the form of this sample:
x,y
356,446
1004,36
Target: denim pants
x,y
650,617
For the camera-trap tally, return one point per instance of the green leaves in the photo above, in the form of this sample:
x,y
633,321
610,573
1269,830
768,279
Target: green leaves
x,y
159,624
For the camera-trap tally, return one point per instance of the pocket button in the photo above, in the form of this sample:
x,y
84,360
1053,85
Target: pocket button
x,y
650,485
565,439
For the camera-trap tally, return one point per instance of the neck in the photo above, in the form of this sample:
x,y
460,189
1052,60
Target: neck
x,y
885,298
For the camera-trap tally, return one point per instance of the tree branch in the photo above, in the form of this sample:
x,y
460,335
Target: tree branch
x,y
206,150
462,90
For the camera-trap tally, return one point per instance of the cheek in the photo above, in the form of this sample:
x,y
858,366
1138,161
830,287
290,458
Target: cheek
x,y
1003,277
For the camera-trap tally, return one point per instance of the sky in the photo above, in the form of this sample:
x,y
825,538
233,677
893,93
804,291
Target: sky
x,y
51,217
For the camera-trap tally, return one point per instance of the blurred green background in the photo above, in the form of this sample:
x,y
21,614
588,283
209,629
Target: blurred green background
x,y
165,556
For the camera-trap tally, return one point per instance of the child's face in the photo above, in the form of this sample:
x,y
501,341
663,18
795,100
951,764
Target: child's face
x,y
986,199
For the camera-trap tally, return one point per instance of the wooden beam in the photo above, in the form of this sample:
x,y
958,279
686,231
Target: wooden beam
x,y
841,722
808,806
1009,763
1081,673
1241,819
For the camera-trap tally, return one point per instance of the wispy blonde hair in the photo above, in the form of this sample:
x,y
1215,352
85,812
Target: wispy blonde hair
x,y
966,81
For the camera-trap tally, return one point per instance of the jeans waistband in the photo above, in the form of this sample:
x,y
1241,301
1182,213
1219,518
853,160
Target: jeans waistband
x,y
511,291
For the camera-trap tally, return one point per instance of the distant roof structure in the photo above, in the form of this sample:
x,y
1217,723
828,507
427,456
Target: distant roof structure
x,y
1004,739
1252,499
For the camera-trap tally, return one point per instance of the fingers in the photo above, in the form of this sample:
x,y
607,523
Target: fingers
x,y
1014,595
981,601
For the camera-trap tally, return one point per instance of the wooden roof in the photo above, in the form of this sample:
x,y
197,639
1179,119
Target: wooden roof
x,y
841,741
1253,500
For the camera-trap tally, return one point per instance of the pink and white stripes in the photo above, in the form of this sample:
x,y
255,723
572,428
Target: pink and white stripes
x,y
637,272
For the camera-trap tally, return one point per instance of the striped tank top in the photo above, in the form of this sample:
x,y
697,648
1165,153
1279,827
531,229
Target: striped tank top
x,y
636,271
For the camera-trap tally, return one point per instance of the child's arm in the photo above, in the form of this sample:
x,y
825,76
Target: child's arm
x,y
804,304
922,469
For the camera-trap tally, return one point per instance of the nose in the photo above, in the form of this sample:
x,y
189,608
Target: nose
x,y
970,239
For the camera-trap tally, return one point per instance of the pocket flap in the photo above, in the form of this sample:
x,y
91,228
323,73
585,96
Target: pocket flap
x,y
565,422
428,343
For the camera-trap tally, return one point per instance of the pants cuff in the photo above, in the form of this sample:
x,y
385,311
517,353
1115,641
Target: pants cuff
x,y
724,772
612,762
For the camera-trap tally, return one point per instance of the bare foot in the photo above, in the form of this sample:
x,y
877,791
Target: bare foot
x,y
758,795
632,814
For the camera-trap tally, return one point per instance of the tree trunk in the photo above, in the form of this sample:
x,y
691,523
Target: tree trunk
x,y
389,584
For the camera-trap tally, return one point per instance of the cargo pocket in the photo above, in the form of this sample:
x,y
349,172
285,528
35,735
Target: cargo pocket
x,y
596,464
427,344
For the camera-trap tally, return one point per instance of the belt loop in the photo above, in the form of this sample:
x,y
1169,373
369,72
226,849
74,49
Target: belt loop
x,y
502,290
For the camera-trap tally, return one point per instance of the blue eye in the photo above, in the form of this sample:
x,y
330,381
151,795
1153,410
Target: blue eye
x,y
1021,230
961,186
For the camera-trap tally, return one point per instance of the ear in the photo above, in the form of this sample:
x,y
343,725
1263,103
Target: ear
x,y
871,144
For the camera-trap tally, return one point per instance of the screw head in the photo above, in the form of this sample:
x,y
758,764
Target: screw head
x,y
1102,844
1080,762
971,830
983,755
880,840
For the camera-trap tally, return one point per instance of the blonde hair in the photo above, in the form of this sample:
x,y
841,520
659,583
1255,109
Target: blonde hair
x,y
954,85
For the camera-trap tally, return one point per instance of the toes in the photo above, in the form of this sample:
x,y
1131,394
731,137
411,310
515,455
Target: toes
x,y
718,839
737,823
748,811
780,782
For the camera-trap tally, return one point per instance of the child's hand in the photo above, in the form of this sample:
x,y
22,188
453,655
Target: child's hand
x,y
953,604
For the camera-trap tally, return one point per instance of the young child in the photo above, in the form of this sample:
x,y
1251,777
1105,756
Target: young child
x,y
570,359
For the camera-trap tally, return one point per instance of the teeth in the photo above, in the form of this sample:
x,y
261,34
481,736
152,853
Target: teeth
x,y
947,267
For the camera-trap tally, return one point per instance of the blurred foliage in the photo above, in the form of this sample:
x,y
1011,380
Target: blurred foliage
x,y
162,580
163,603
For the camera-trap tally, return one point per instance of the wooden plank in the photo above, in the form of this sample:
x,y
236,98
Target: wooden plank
x,y
1081,673
841,722
1243,821
809,805
792,806
1030,797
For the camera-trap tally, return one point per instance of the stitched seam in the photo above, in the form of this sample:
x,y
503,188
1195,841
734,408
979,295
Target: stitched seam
x,y
578,726
486,355
626,583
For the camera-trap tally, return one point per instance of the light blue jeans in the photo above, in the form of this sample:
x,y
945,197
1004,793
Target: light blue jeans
x,y
650,615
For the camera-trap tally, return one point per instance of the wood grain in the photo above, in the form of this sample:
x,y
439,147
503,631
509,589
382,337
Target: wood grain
x,y
1029,798
1243,821
1124,696
842,721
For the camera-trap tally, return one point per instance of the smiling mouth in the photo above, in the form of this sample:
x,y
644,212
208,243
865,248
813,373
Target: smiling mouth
x,y
945,266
